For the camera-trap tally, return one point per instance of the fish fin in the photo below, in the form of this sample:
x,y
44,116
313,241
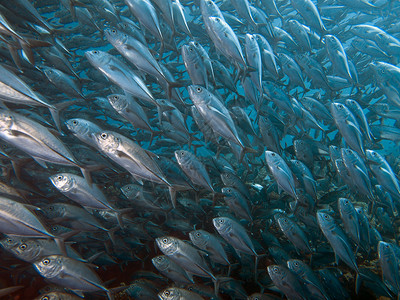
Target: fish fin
x,y
361,170
172,194
354,126
41,162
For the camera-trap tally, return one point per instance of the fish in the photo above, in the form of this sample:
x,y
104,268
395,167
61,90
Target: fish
x,y
71,273
281,173
286,282
337,239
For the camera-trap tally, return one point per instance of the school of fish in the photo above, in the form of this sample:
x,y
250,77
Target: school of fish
x,y
199,149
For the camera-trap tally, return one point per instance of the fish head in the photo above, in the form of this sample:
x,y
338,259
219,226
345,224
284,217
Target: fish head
x,y
96,57
196,45
78,126
325,220
199,238
161,262
107,141
197,94
339,110
250,38
10,242
131,191
62,181
54,210
170,294
114,35
271,158
295,265
208,7
298,165
384,249
50,266
6,120
182,156
284,222
351,103
227,178
349,155
275,271
58,229
373,156
27,250
167,244
228,191
331,41
117,101
217,21
188,51
50,72
334,152
344,204
222,224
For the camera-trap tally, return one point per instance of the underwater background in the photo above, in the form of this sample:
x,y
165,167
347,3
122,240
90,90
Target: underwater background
x,y
199,149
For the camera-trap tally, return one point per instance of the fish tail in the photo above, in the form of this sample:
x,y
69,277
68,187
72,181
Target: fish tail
x,y
245,150
111,234
55,112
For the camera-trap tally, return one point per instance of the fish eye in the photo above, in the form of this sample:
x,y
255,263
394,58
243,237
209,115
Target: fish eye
x,y
196,43
217,19
54,228
165,240
166,293
190,49
296,264
374,154
51,207
59,177
340,106
95,52
272,154
297,162
9,241
275,269
182,153
23,246
115,97
221,221
74,122
45,298
326,217
46,261
346,201
104,135
198,234
199,89
113,31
